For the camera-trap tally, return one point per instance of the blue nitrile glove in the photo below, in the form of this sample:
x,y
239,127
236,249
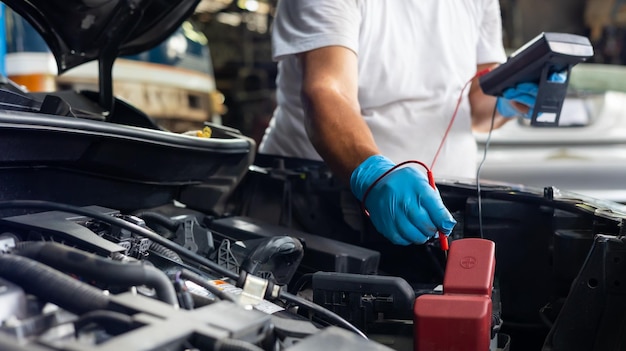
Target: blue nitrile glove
x,y
402,206
524,93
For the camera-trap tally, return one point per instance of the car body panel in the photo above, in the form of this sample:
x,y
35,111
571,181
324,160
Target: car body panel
x,y
79,31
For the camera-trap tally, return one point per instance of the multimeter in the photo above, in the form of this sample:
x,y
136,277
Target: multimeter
x,y
534,62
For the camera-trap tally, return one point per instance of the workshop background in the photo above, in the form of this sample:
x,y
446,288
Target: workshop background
x,y
239,38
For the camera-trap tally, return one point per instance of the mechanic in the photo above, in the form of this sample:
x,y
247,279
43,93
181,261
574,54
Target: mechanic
x,y
366,84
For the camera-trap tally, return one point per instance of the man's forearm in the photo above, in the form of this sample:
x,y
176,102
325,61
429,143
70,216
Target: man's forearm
x,y
333,118
337,130
482,113
483,106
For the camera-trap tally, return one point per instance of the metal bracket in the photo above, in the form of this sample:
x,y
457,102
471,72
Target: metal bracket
x,y
254,289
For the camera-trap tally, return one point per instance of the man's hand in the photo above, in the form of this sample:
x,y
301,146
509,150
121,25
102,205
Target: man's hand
x,y
402,206
520,100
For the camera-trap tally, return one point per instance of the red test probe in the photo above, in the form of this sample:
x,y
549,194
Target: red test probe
x,y
443,239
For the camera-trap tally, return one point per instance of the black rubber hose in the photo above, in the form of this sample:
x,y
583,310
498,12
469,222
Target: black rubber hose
x,y
100,269
146,233
51,285
164,251
158,218
192,256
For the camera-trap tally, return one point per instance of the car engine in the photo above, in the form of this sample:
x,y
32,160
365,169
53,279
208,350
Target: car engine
x,y
116,234
174,278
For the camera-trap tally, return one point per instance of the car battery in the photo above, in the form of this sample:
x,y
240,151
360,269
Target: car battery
x,y
460,318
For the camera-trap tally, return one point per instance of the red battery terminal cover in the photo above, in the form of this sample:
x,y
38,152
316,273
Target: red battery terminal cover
x,y
460,319
470,268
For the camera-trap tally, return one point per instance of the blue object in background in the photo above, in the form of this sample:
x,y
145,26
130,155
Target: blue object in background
x,y
3,41
186,47
20,36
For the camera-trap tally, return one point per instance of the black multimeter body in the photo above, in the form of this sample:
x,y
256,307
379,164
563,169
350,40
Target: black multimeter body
x,y
535,62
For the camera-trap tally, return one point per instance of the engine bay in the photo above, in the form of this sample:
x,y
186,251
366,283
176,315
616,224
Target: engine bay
x,y
257,278
116,234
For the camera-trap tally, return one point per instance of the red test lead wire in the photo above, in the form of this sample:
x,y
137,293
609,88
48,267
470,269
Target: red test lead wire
x,y
456,110
443,240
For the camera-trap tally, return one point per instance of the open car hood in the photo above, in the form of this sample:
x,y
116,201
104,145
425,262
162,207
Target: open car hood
x,y
78,31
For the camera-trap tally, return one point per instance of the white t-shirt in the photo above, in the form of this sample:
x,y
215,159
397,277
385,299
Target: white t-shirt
x,y
414,58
